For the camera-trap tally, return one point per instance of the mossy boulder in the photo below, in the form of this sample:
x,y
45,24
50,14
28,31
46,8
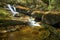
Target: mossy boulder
x,y
51,18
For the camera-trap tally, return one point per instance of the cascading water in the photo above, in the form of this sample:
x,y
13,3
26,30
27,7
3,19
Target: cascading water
x,y
32,22
13,10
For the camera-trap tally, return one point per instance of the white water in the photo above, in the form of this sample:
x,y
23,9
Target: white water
x,y
12,10
32,22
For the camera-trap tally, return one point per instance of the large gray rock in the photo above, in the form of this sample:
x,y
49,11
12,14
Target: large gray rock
x,y
51,18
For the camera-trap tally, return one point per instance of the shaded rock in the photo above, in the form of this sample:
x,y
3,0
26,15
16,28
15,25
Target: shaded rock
x,y
51,18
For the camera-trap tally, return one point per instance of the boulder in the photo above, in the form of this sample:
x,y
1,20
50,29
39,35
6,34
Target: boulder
x,y
51,18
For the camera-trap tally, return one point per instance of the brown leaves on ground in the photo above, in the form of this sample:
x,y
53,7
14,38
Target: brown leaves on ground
x,y
34,33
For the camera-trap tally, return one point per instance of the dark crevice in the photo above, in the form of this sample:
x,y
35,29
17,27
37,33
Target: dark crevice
x,y
57,25
4,23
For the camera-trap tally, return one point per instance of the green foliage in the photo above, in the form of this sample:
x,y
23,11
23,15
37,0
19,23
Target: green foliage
x,y
4,14
46,1
51,4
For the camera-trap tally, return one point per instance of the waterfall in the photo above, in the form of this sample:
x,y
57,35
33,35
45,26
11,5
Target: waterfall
x,y
12,9
32,22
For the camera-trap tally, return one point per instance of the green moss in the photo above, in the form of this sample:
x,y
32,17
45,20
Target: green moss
x,y
4,14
